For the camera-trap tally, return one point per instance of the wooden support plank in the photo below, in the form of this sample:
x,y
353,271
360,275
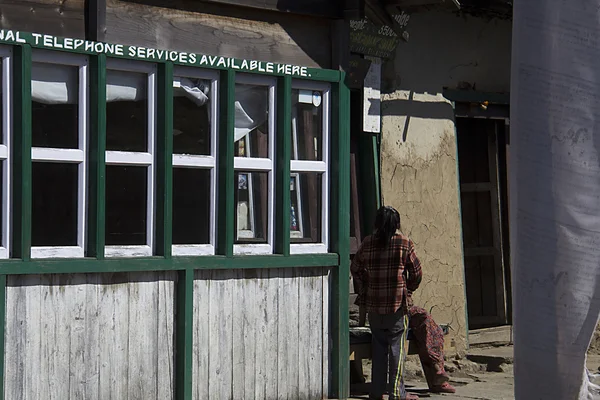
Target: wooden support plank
x,y
282,174
262,359
184,335
202,344
273,334
97,158
327,342
95,20
225,190
166,333
340,233
497,237
221,335
21,153
245,320
164,161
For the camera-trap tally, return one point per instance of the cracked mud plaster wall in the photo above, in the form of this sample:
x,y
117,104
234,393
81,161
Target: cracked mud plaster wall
x,y
418,149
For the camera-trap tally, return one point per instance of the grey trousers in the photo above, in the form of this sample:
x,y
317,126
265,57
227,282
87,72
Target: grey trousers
x,y
389,353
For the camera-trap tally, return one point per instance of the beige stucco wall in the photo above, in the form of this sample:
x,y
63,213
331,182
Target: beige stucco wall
x,y
418,148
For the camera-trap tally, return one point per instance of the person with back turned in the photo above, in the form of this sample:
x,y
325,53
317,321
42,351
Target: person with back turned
x,y
385,269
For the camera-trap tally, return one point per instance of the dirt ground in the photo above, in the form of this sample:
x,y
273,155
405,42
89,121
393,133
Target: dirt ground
x,y
485,374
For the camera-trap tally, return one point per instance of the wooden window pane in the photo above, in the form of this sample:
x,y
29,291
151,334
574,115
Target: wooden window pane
x,y
251,121
55,106
252,207
306,194
126,111
307,125
191,206
54,204
126,205
191,119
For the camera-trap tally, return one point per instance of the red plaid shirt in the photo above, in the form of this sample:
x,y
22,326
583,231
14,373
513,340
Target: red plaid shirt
x,y
384,276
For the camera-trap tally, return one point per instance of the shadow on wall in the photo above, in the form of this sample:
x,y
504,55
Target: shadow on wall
x,y
245,38
411,108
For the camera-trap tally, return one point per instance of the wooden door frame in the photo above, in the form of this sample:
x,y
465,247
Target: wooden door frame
x,y
497,250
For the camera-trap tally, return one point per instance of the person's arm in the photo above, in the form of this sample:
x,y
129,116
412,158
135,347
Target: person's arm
x,y
413,269
359,273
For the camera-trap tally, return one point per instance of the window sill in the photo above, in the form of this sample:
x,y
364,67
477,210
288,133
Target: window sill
x,y
128,251
57,252
249,249
308,248
182,250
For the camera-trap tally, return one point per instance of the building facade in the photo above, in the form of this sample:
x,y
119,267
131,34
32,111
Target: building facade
x,y
443,161
175,200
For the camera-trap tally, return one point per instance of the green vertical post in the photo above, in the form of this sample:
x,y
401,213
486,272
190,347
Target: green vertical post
x,y
21,153
97,157
282,160
2,331
184,335
164,161
340,237
225,174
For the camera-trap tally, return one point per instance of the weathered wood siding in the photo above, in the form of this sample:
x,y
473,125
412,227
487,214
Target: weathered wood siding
x,y
261,334
258,334
195,26
94,336
54,17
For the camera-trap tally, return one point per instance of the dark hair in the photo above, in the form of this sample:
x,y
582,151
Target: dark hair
x,y
387,222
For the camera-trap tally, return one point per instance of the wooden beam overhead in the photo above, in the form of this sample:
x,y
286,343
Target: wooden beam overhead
x,y
95,20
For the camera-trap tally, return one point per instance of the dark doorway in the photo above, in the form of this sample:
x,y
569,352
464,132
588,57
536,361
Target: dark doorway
x,y
482,154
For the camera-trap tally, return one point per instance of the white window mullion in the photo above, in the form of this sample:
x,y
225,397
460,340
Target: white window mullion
x,y
249,164
82,170
326,143
308,166
151,169
57,155
128,158
69,156
321,167
193,161
252,164
139,159
7,136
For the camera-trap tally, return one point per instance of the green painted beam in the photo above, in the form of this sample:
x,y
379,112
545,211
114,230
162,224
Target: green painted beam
x,y
225,189
97,158
89,265
340,238
164,161
21,153
282,174
184,335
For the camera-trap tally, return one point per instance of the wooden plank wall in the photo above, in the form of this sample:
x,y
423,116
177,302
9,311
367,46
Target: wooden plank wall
x,y
94,336
54,17
194,26
258,334
261,334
